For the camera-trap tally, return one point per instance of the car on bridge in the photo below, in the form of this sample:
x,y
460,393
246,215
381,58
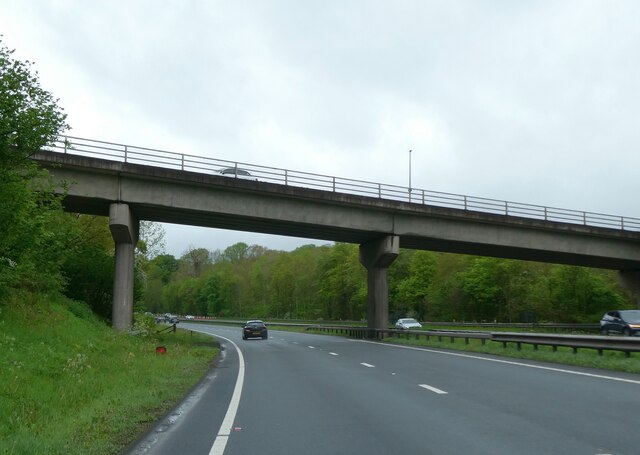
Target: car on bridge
x,y
626,322
236,172
255,329
407,324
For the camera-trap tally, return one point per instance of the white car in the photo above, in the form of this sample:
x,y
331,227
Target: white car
x,y
407,324
237,173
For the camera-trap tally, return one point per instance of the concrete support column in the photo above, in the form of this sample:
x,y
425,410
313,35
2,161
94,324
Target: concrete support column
x,y
124,230
630,280
377,256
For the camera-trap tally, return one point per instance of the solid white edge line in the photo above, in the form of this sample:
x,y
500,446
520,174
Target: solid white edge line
x,y
433,389
225,429
220,442
508,362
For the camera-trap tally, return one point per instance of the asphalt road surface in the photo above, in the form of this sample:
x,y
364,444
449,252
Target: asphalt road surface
x,y
298,393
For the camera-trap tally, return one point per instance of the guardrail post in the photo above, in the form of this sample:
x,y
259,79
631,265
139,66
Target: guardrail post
x,y
286,177
126,152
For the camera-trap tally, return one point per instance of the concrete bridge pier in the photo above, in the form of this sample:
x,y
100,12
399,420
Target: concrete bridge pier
x,y
630,280
377,256
124,230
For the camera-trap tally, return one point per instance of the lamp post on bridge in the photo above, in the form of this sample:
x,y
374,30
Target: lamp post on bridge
x,y
409,175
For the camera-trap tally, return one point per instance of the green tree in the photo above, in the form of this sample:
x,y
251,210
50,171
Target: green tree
x,y
218,292
414,289
343,283
30,246
162,267
260,284
446,298
29,116
158,273
580,294
305,265
282,287
235,253
195,261
89,262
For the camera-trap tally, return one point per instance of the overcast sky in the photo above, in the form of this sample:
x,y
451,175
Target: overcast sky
x,y
527,101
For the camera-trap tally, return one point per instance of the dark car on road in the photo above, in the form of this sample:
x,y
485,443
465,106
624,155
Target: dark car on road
x,y
168,318
255,329
626,322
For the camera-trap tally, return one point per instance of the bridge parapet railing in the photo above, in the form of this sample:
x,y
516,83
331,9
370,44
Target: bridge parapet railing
x,y
192,163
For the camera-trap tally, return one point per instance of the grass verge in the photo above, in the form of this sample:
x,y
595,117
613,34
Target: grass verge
x,y
72,385
609,360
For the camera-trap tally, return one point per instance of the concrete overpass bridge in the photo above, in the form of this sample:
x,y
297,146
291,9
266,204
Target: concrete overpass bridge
x,y
129,184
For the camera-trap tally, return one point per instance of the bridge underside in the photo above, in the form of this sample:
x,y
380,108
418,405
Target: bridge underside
x,y
434,234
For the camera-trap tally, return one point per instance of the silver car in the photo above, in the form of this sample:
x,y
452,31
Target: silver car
x,y
407,324
237,173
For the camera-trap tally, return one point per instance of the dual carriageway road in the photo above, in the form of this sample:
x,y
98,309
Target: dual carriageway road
x,y
318,394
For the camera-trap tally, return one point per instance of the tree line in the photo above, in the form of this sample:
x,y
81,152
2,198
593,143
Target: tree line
x,y
328,283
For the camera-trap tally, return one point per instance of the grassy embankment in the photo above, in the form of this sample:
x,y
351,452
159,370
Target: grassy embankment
x,y
72,385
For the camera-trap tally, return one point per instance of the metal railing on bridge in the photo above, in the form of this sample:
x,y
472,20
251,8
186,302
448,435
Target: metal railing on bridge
x,y
192,163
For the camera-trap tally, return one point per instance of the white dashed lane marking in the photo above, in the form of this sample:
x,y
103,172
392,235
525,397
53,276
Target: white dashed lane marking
x,y
433,389
368,365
